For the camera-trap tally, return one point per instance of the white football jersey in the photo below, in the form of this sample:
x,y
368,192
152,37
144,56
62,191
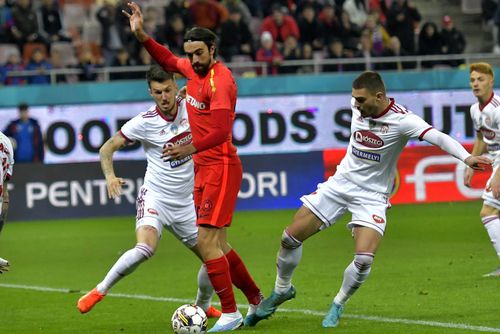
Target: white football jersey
x,y
7,159
174,178
486,120
375,145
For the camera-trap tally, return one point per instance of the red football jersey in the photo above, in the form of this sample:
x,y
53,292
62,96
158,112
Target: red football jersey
x,y
217,90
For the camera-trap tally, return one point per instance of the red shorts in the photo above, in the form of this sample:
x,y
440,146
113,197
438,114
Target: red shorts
x,y
216,190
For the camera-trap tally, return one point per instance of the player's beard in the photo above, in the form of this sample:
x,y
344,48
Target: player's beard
x,y
200,68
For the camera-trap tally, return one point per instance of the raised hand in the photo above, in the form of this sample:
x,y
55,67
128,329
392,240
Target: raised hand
x,y
136,21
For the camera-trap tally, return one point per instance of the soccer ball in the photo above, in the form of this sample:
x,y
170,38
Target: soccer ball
x,y
189,319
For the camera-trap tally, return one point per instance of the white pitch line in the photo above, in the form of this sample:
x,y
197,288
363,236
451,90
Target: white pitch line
x,y
284,310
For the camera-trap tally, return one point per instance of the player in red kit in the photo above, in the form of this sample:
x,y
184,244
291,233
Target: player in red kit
x,y
211,101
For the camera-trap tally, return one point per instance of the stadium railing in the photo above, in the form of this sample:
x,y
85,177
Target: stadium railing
x,y
415,62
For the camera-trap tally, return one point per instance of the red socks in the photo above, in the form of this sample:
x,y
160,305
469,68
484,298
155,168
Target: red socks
x,y
241,278
218,272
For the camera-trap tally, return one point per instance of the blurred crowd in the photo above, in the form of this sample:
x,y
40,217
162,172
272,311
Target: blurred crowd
x,y
41,35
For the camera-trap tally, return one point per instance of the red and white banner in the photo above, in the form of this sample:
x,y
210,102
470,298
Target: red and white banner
x,y
424,174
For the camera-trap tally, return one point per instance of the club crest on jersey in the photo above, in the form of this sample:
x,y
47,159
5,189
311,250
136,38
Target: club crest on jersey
x,y
175,129
487,133
378,219
368,139
487,121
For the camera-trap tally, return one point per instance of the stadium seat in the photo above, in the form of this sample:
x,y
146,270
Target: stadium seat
x,y
66,51
6,50
28,50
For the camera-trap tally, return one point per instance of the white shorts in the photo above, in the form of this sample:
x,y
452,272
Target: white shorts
x,y
178,217
337,195
488,197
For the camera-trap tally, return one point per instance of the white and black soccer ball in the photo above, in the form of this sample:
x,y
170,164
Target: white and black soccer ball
x,y
189,319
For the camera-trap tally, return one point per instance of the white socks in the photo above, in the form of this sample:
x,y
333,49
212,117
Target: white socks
x,y
205,289
126,264
354,275
492,226
288,259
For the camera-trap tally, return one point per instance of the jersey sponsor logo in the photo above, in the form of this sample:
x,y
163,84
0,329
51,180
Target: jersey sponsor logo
x,y
378,219
493,147
366,155
184,138
153,211
487,133
368,139
195,103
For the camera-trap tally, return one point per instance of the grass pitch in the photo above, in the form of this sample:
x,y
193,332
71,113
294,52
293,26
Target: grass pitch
x,y
426,276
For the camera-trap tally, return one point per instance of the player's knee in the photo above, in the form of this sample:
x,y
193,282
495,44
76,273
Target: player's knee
x,y
363,261
146,250
289,242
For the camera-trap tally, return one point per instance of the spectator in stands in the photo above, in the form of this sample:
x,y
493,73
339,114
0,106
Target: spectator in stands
x,y
291,51
6,23
330,25
395,50
88,64
174,34
401,20
365,51
380,37
280,25
144,58
13,64
235,36
268,53
123,59
51,21
453,40
39,63
357,11
246,16
349,32
179,8
57,63
429,43
208,14
307,54
26,137
110,34
335,50
25,29
310,28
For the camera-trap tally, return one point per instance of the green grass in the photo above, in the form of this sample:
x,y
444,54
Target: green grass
x,y
428,268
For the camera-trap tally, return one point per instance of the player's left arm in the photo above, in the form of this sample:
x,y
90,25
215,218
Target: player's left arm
x,y
454,148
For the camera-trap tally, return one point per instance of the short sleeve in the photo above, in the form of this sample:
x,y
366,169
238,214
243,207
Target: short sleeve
x,y
133,130
222,90
413,126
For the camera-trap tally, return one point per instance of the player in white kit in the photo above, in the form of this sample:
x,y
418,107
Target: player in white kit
x,y
7,159
485,115
380,129
166,198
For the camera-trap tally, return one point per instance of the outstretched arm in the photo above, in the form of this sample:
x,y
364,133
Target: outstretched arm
x,y
454,148
478,149
106,152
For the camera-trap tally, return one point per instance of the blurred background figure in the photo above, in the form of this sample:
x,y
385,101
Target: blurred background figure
x,y
38,62
453,40
268,53
26,137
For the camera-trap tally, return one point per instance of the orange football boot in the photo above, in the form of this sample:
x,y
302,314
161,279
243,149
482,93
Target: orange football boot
x,y
87,302
212,312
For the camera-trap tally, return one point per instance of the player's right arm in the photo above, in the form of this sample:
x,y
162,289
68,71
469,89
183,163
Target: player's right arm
x,y
479,148
5,204
163,56
106,152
